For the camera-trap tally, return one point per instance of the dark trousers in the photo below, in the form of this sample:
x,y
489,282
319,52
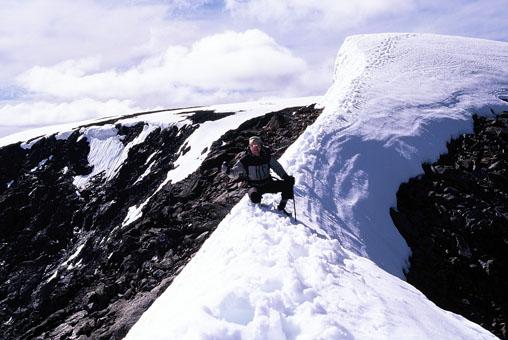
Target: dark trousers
x,y
272,187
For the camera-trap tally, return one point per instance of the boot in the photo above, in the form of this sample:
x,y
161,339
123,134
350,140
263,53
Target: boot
x,y
282,205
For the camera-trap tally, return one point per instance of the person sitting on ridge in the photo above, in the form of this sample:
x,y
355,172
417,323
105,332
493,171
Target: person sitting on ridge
x,y
254,166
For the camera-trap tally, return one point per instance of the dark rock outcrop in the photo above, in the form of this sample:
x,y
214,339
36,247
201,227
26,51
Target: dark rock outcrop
x,y
70,268
455,219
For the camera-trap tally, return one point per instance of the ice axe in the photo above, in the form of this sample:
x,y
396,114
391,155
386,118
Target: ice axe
x,y
294,205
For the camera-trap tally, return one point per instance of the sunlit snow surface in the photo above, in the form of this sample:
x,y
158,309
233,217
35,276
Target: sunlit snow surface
x,y
395,101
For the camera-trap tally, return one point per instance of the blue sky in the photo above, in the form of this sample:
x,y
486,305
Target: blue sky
x,y
64,61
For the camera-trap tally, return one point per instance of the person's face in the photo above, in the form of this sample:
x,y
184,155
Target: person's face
x,y
255,148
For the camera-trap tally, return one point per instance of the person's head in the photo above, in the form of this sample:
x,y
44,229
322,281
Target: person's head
x,y
255,145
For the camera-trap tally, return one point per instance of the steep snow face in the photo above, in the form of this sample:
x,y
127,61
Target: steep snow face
x,y
336,274
395,101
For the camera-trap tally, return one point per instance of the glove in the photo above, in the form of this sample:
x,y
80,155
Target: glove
x,y
225,167
289,179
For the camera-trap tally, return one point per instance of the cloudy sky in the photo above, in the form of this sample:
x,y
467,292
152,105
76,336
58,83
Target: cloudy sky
x,y
65,60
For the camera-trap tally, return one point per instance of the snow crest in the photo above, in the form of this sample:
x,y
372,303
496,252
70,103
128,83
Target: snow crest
x,y
395,102
336,274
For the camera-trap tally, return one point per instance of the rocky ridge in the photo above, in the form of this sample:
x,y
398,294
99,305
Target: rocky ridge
x,y
82,274
455,220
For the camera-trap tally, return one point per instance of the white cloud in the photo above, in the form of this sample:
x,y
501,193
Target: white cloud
x,y
49,113
41,32
230,62
329,14
220,68
477,18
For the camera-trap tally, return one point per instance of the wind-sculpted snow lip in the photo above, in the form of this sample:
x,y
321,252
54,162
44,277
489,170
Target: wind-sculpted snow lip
x,y
84,273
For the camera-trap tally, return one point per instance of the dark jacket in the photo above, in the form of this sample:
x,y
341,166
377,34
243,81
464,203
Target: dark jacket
x,y
256,170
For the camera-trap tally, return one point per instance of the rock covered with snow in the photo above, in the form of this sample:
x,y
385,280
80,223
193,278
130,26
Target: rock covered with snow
x,y
84,271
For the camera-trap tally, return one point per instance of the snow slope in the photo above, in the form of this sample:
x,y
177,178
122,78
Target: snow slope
x,y
336,274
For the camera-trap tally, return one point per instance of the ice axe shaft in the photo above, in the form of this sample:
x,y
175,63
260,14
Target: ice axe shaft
x,y
294,204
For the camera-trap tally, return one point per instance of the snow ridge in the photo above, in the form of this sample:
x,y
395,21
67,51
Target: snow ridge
x,y
395,101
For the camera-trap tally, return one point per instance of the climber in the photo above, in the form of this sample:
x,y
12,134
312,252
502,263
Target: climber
x,y
254,166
